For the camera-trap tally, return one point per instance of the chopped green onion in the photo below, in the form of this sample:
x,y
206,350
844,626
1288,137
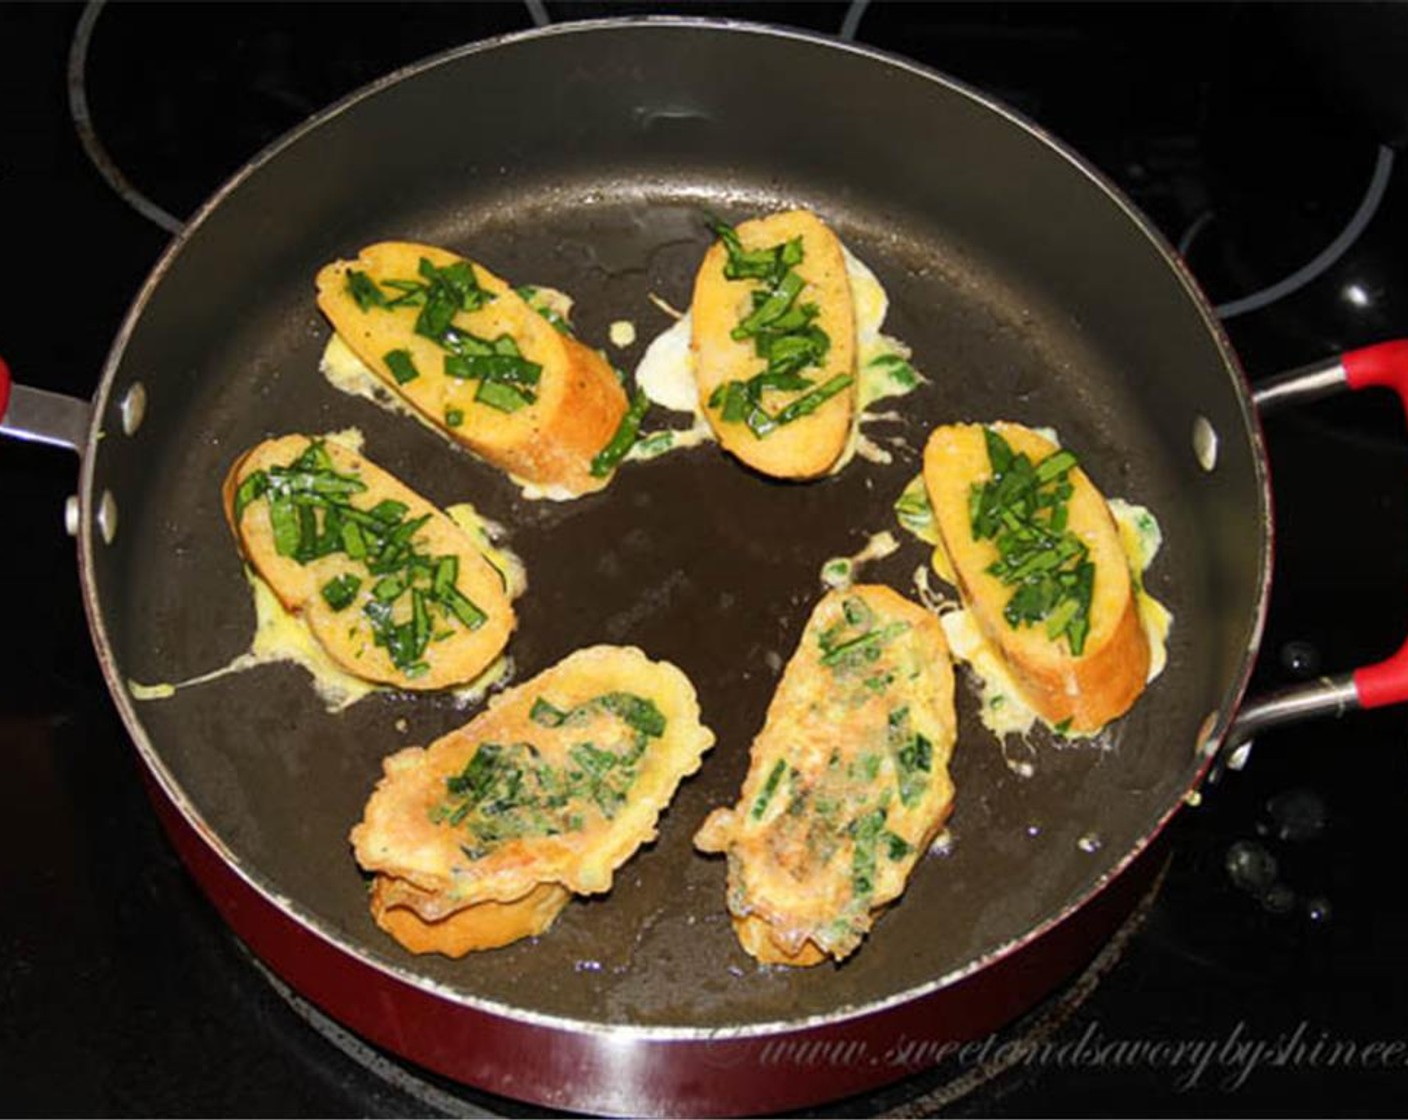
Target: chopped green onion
x,y
251,489
1023,509
862,645
447,571
805,405
857,612
388,588
502,396
636,712
339,592
760,804
898,846
401,365
353,541
1054,466
364,290
546,714
454,417
866,831
607,459
503,367
283,516
470,616
777,301
389,511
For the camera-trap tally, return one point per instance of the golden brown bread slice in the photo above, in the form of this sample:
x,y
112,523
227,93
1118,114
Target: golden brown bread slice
x,y
848,782
461,640
549,441
556,784
1110,672
810,445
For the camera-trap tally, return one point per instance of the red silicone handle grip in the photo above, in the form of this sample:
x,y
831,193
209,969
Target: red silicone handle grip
x,y
1384,364
4,388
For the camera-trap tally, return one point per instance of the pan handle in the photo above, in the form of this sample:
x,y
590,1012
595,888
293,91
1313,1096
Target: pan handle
x,y
41,416
1373,686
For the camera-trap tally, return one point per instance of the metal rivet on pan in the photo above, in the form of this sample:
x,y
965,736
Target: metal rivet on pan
x,y
71,515
107,517
1205,443
133,407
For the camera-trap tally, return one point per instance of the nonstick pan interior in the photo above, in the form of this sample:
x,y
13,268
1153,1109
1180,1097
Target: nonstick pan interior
x,y
1026,292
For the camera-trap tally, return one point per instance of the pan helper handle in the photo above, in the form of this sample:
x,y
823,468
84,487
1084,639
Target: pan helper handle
x,y
1385,364
1374,686
41,416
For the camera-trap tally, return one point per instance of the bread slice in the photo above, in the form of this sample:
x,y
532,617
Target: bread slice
x,y
575,767
550,442
456,652
810,445
848,781
1082,692
486,925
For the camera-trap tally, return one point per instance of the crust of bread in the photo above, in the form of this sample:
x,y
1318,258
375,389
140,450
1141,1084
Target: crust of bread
x,y
811,445
550,442
1110,674
790,904
488,925
756,937
346,634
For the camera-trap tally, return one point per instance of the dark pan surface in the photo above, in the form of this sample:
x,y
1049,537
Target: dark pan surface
x,y
1068,318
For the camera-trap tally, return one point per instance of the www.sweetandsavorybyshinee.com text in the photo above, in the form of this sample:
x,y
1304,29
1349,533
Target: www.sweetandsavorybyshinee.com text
x,y
1226,1062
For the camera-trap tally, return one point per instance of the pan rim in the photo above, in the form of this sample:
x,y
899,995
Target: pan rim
x,y
372,958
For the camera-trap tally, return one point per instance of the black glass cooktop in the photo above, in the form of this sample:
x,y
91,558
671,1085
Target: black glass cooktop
x,y
1268,974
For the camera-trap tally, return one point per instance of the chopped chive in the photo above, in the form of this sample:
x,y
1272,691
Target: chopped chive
x,y
364,290
866,832
389,511
401,365
1054,465
251,489
470,616
870,640
607,459
420,617
447,570
857,612
339,592
636,712
307,532
1023,509
771,308
805,405
454,417
760,804
388,588
283,516
504,397
546,714
509,368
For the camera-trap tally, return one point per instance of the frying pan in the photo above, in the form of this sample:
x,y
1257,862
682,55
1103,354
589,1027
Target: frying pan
x,y
584,157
